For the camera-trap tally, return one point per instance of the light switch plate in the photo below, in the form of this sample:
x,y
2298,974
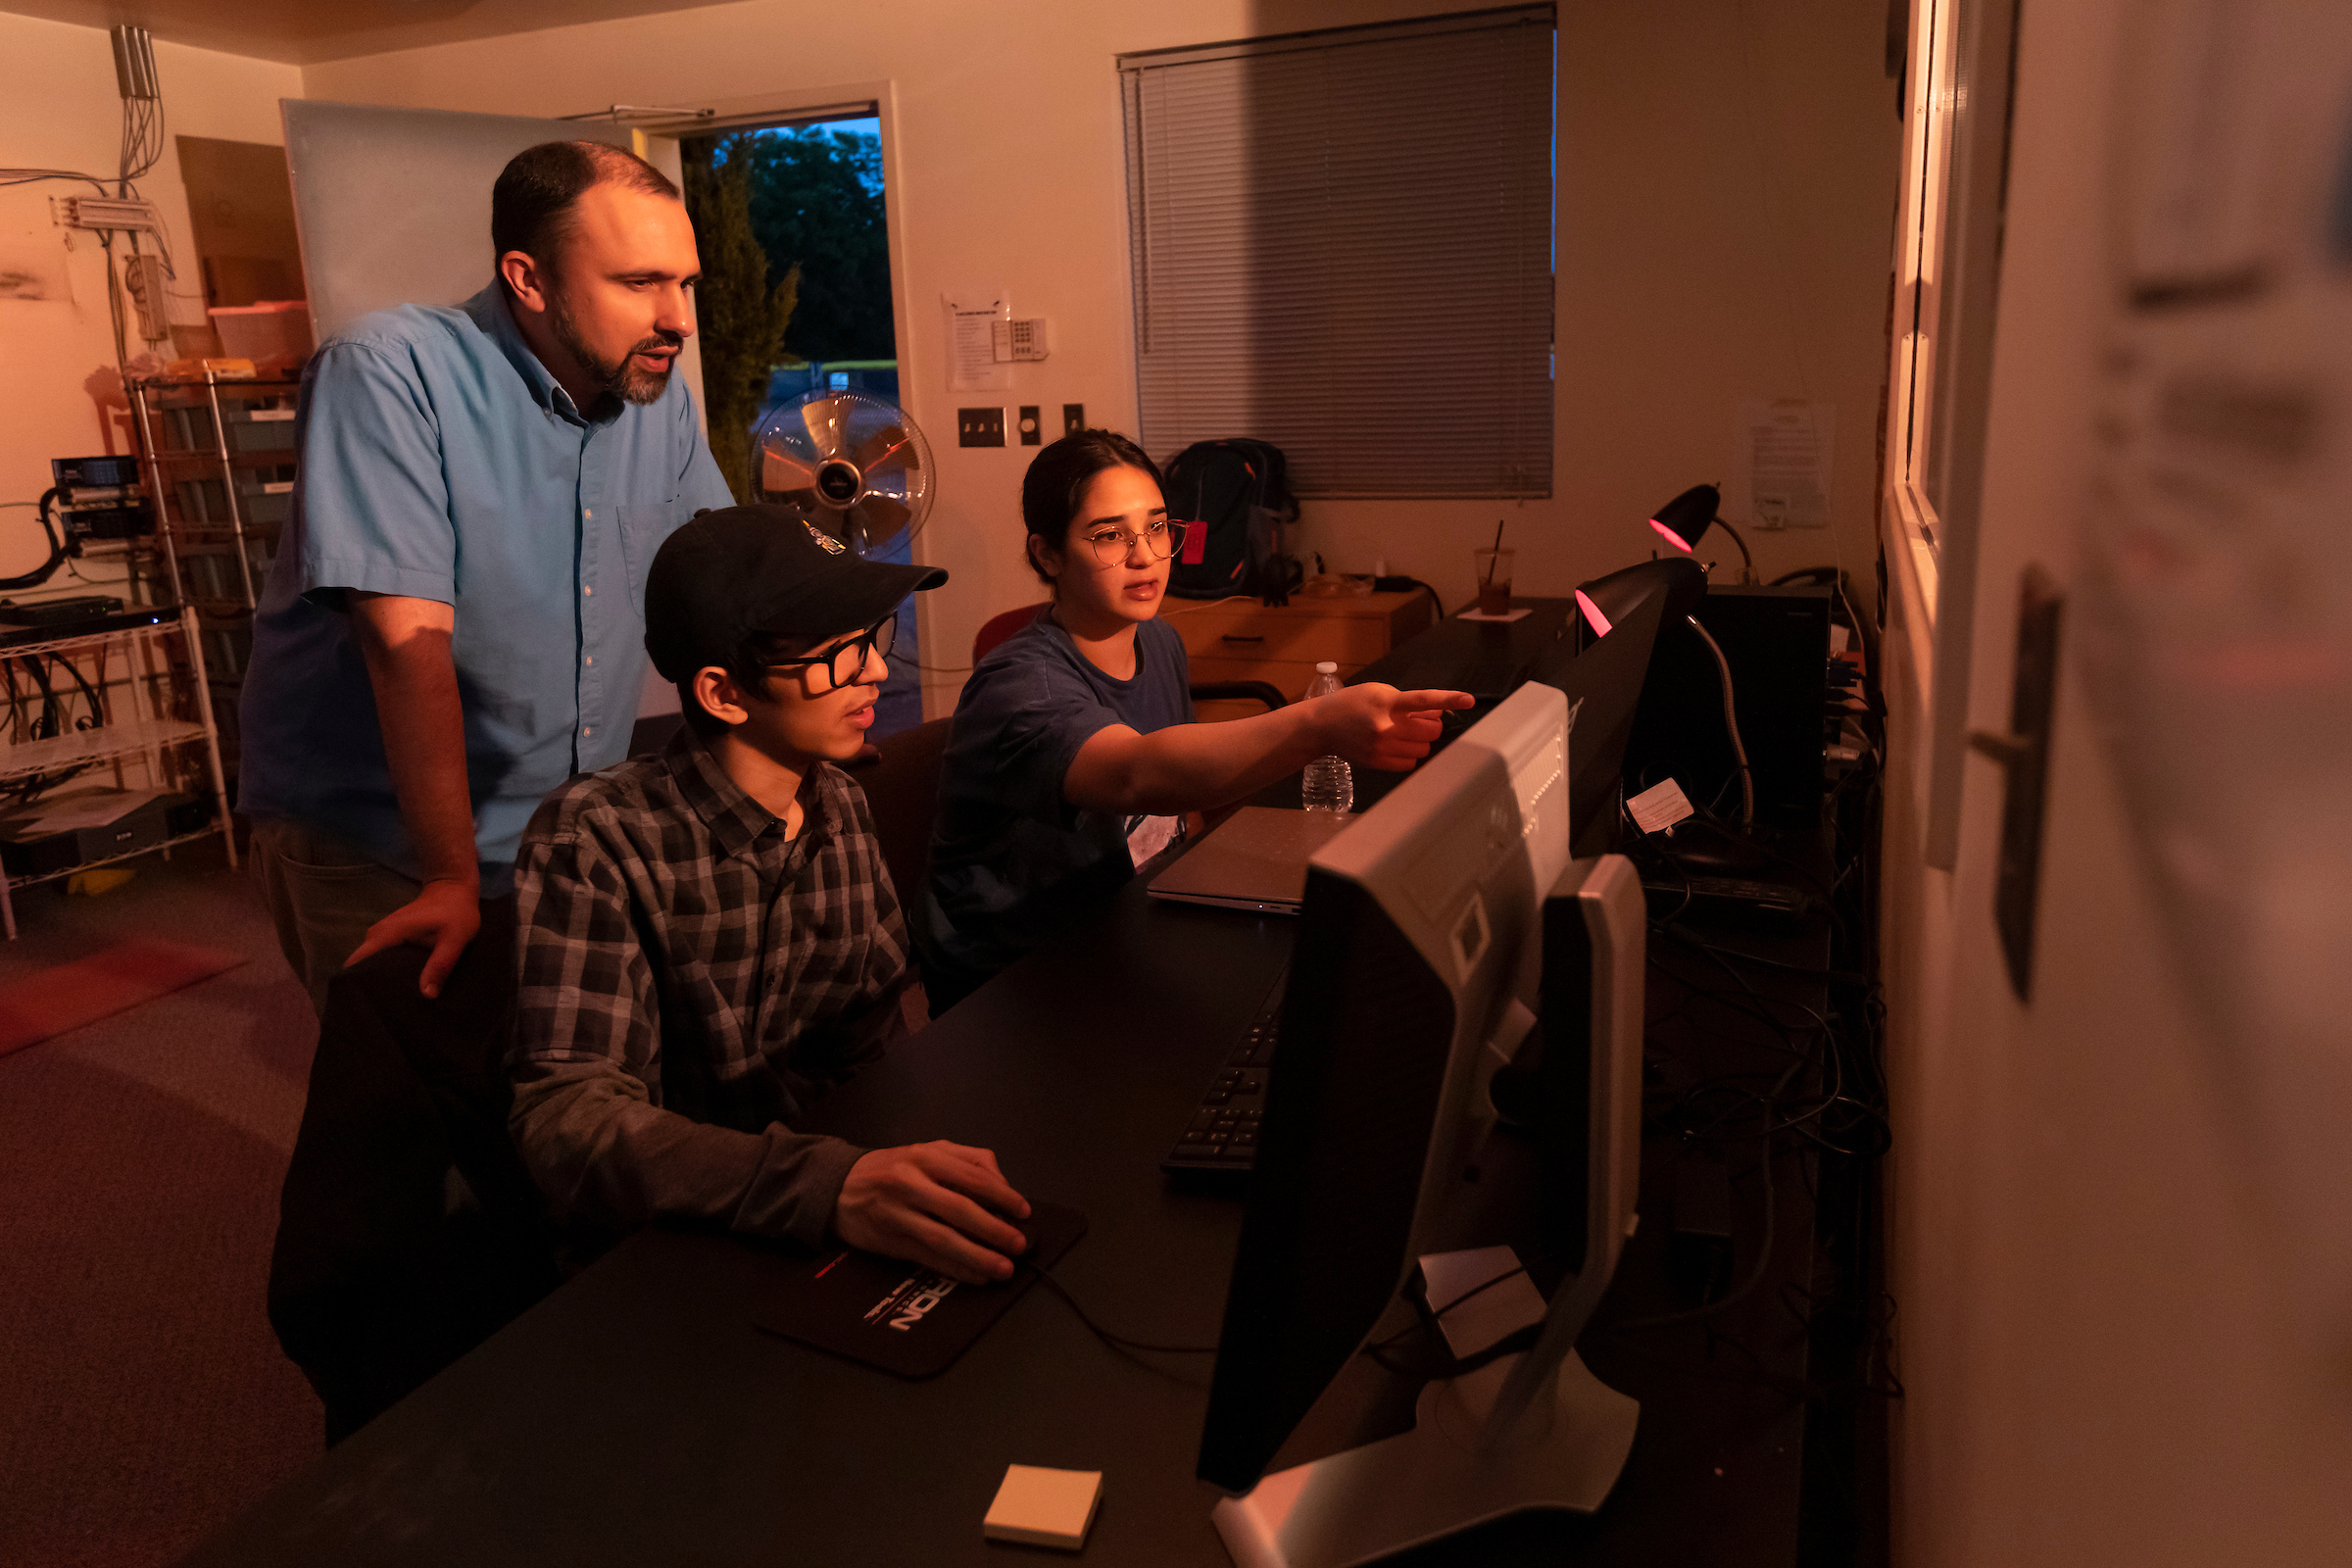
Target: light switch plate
x,y
979,427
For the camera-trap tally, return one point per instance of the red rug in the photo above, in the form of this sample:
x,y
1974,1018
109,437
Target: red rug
x,y
38,1007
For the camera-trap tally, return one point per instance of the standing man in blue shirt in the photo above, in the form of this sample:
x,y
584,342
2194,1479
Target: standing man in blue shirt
x,y
454,623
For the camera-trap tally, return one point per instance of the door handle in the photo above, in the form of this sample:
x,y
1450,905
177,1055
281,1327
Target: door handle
x,y
2024,753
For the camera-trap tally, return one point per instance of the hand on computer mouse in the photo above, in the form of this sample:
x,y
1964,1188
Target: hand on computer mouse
x,y
931,1204
1379,726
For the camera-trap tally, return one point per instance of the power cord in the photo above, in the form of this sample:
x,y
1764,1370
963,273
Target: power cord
x,y
1117,1341
56,548
1444,1363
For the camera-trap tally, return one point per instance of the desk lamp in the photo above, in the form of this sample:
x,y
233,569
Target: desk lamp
x,y
1604,600
1681,520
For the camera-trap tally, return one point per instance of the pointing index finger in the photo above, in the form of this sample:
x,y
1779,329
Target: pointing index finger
x,y
1406,701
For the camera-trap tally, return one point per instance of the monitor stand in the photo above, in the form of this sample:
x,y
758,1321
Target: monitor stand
x,y
1444,1476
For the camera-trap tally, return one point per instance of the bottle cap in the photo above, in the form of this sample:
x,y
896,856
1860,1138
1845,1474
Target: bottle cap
x,y
1327,667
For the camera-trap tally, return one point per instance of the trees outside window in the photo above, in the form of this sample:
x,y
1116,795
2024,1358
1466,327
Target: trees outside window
x,y
817,206
743,315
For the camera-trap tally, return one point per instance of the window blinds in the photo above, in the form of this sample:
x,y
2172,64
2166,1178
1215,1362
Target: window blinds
x,y
1342,244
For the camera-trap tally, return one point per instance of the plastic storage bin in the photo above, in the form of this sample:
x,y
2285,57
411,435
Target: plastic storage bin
x,y
271,329
261,502
259,432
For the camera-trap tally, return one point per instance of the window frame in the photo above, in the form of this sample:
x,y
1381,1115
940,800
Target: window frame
x,y
1958,100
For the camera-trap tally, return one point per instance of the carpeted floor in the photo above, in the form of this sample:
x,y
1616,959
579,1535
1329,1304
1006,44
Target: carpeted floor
x,y
143,1401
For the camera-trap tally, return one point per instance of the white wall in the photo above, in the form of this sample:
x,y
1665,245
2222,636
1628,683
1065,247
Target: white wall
x,y
1727,188
2094,1325
58,83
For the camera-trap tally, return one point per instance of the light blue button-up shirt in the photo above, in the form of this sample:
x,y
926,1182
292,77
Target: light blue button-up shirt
x,y
441,461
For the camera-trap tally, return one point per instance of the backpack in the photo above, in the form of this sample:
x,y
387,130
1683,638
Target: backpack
x,y
1237,498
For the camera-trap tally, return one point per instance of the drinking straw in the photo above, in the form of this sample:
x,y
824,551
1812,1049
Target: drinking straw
x,y
1496,555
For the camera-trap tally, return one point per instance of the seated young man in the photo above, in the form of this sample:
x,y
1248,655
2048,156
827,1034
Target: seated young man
x,y
708,938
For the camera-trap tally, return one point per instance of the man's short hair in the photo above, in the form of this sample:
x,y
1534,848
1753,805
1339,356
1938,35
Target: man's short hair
x,y
532,206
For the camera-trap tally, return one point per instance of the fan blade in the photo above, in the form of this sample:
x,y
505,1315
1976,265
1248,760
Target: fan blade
x,y
823,416
880,519
888,443
780,472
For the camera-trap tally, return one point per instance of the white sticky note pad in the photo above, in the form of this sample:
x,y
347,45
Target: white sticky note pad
x,y
1040,1507
1481,1297
1659,806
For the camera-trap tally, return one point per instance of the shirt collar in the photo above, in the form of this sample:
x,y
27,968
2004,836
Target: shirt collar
x,y
737,822
496,317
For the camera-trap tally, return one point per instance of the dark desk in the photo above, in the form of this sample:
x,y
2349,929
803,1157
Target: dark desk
x,y
1485,657
637,1417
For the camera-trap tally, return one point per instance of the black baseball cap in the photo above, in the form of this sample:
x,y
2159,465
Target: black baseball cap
x,y
745,571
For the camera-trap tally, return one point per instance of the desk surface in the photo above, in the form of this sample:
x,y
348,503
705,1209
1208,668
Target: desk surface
x,y
636,1416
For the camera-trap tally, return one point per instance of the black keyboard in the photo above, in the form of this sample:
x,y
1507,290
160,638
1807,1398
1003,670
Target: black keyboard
x,y
1223,1134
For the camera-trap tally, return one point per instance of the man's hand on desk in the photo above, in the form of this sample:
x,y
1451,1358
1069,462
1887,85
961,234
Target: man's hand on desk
x,y
444,917
1379,726
918,1202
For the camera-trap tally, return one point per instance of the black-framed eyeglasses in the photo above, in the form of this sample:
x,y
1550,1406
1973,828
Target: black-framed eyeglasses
x,y
1160,538
844,661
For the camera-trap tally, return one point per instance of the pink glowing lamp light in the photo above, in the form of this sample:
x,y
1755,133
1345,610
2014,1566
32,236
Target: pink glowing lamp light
x,y
1670,536
1592,612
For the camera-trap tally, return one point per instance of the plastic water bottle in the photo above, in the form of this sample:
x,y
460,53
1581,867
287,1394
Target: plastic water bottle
x,y
1327,785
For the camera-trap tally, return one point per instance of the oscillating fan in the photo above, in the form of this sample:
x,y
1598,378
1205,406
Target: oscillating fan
x,y
853,464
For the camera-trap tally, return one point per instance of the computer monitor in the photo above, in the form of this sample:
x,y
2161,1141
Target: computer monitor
x,y
1604,681
1419,967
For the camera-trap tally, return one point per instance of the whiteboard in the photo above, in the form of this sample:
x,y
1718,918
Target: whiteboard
x,y
393,205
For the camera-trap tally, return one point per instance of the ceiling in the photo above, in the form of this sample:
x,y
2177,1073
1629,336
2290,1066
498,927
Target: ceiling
x,y
306,32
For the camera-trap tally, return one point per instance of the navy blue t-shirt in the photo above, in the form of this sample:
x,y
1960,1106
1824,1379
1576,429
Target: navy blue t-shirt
x,y
1010,858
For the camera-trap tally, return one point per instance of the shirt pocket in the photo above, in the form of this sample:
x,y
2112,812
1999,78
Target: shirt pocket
x,y
642,530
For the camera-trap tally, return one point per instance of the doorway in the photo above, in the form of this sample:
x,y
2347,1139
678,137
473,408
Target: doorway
x,y
792,221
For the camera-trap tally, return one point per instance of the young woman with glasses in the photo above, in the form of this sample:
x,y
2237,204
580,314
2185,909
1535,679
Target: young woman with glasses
x,y
1074,752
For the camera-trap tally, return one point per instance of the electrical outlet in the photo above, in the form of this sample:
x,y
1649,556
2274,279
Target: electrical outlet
x,y
1073,417
1030,433
979,427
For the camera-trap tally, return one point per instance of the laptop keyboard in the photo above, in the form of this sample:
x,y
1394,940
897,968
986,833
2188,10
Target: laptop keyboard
x,y
1223,1134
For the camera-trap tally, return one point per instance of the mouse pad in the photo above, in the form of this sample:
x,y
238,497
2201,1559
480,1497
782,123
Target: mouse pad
x,y
902,1317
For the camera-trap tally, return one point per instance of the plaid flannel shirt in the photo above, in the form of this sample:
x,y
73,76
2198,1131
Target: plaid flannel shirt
x,y
690,978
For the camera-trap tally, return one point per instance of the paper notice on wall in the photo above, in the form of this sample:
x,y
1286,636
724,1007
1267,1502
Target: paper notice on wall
x,y
1785,451
972,315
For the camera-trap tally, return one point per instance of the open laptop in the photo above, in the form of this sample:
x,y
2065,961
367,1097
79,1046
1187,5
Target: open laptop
x,y
1255,860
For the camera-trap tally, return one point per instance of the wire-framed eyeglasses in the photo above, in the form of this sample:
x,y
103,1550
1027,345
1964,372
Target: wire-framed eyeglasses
x,y
1160,539
844,661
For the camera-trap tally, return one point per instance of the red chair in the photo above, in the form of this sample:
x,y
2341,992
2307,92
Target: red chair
x,y
998,629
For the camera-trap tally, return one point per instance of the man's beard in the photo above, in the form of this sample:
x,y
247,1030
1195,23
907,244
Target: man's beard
x,y
621,378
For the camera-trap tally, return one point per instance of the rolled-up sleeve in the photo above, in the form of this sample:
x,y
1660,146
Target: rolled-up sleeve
x,y
375,511
587,1042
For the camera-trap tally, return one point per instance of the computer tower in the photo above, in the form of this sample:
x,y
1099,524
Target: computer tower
x,y
1777,642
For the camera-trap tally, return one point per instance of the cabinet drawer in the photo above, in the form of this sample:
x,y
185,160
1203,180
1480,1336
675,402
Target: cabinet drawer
x,y
1255,634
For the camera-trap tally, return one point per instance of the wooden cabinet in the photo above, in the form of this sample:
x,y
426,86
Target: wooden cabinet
x,y
1241,639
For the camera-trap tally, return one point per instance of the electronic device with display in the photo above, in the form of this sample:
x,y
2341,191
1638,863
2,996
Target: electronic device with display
x,y
1433,932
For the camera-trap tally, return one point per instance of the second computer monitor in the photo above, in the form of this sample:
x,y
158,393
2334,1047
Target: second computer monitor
x,y
1414,975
